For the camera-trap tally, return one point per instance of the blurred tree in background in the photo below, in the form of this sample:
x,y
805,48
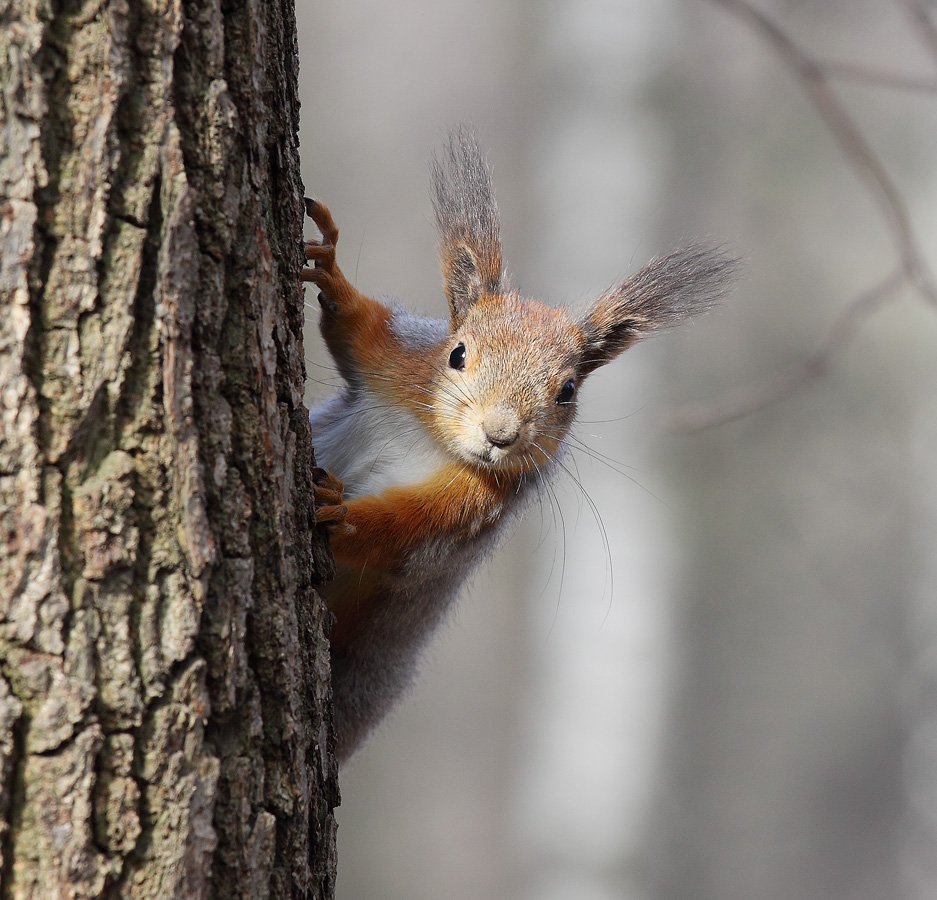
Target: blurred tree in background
x,y
744,706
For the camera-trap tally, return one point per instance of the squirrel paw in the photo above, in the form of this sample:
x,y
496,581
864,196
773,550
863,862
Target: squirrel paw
x,y
330,510
324,272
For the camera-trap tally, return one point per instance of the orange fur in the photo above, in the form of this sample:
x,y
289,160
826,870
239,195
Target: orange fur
x,y
455,503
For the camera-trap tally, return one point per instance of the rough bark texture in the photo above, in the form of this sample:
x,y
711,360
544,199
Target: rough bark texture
x,y
163,665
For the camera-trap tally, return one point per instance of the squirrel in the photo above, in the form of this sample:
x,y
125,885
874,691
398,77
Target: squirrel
x,y
445,428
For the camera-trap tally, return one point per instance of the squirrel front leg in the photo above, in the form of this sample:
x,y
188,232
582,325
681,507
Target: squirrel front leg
x,y
454,501
328,494
455,504
356,328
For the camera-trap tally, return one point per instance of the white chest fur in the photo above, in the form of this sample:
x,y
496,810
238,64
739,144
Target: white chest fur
x,y
372,446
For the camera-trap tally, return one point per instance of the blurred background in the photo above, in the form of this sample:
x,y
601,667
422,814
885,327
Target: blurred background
x,y
716,676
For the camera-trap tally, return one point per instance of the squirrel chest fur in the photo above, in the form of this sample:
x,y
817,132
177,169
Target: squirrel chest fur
x,y
445,428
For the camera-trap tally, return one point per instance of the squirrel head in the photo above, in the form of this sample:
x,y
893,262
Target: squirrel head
x,y
510,374
505,395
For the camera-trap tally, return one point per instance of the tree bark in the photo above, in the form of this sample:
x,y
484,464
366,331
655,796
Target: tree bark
x,y
164,681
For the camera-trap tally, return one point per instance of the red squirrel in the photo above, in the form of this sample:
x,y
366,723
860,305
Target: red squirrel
x,y
445,429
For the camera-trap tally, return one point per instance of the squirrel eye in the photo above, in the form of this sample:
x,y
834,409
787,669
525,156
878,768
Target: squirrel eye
x,y
457,357
567,392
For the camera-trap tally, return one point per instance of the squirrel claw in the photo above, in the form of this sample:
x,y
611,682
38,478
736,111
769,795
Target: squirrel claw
x,y
318,250
319,213
328,492
321,253
332,516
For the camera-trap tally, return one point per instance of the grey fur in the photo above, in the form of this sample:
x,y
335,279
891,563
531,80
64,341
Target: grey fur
x,y
667,291
416,333
468,221
682,284
369,679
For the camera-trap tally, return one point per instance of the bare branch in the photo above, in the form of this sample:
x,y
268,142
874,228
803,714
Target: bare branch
x,y
851,142
751,399
921,16
911,269
895,80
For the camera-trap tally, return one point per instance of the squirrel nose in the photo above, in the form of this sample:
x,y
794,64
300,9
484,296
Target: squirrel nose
x,y
501,439
501,427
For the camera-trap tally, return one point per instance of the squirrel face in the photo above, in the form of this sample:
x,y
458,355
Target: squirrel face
x,y
506,391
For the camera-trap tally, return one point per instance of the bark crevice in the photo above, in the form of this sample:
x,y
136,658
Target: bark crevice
x,y
12,762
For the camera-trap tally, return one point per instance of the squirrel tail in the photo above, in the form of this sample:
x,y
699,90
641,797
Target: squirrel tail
x,y
468,223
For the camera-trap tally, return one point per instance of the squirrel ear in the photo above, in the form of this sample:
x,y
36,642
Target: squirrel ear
x,y
467,219
462,278
664,293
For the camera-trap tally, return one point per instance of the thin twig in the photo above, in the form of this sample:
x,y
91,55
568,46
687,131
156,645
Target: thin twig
x,y
911,269
894,80
851,141
921,16
751,399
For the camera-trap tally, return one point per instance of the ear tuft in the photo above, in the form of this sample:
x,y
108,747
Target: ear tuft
x,y
666,292
467,219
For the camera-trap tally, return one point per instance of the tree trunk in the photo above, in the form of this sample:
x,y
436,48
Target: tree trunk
x,y
164,678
